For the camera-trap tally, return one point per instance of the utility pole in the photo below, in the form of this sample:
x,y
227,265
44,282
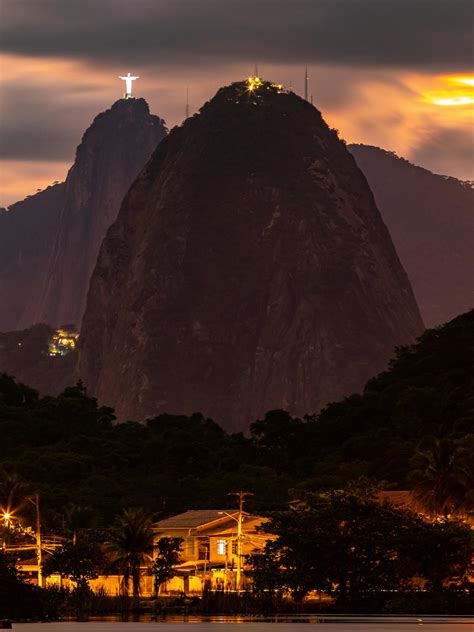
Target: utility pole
x,y
241,496
39,556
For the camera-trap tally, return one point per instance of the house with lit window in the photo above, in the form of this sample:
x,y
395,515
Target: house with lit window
x,y
211,548
214,540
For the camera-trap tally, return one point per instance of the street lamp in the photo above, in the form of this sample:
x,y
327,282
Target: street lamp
x,y
7,517
241,496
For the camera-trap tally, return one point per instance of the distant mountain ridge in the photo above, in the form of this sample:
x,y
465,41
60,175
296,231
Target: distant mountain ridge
x,y
27,234
248,269
431,221
52,238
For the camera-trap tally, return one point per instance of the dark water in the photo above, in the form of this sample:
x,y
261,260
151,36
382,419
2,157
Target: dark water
x,y
276,624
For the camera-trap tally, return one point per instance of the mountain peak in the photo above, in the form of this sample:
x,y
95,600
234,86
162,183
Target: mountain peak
x,y
248,269
113,149
131,106
254,95
128,115
54,237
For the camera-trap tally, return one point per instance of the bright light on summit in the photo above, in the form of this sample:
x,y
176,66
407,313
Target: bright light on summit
x,y
253,83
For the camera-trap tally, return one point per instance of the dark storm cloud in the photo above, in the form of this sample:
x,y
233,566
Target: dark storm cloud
x,y
408,33
36,127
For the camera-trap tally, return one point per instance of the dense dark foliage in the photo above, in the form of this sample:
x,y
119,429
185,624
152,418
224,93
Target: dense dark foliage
x,y
86,468
167,557
351,546
17,599
79,561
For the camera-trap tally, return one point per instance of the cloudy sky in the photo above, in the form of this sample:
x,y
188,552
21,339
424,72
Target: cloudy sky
x,y
393,73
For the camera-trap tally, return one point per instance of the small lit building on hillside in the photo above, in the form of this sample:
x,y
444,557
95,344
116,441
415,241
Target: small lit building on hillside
x,y
62,342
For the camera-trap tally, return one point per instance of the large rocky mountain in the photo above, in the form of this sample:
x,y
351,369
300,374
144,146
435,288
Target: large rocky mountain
x,y
27,234
248,269
431,221
50,242
112,152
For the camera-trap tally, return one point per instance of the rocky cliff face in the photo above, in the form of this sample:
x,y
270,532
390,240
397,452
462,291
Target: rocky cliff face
x,y
27,234
49,242
431,222
248,269
112,152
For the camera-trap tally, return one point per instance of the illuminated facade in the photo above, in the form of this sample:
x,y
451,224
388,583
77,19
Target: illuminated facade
x,y
209,556
62,342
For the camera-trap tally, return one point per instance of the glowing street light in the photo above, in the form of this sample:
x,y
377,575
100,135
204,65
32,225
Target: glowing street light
x,y
7,517
241,496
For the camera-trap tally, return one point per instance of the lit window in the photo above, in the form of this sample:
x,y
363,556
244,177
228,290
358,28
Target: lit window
x,y
221,547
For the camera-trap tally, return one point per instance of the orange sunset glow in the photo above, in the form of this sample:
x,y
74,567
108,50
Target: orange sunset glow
x,y
410,108
422,110
456,91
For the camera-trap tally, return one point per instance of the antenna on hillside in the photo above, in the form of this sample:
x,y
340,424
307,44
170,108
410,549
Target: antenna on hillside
x,y
187,103
305,84
255,70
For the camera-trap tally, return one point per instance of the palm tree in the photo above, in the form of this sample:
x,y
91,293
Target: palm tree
x,y
131,546
77,518
441,477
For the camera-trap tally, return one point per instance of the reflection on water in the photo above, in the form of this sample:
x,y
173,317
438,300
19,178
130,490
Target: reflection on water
x,y
304,623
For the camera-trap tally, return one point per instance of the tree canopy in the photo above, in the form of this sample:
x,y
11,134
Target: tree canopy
x,y
347,544
72,452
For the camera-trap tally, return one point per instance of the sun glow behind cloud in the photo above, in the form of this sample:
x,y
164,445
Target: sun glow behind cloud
x,y
469,81
451,91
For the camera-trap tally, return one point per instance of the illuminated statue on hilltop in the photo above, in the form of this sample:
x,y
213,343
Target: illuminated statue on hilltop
x,y
128,84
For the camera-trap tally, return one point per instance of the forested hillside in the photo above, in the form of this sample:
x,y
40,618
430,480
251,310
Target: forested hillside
x,y
87,468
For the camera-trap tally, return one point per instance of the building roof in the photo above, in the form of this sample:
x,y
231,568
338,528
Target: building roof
x,y
195,518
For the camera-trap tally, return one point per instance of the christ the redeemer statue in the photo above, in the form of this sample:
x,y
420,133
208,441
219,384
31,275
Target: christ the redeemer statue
x,y
128,84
